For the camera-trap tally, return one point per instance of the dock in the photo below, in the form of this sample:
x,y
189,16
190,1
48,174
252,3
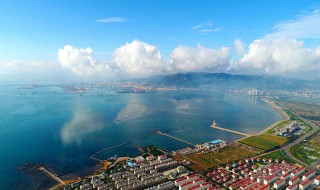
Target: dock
x,y
175,138
52,175
214,126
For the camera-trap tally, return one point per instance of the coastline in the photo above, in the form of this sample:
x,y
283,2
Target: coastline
x,y
277,108
283,113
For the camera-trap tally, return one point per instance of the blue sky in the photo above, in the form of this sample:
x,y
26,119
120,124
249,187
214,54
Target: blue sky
x,y
182,32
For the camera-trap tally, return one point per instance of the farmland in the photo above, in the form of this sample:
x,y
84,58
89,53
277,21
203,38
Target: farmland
x,y
264,141
224,155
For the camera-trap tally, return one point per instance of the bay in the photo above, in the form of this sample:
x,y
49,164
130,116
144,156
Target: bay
x,y
49,126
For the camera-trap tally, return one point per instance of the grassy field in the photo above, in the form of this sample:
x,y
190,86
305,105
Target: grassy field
x,y
264,141
305,108
279,154
308,152
213,159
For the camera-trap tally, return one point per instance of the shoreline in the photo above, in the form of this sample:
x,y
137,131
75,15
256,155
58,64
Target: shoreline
x,y
278,109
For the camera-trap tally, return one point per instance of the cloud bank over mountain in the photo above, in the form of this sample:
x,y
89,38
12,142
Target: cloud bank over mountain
x,y
273,56
139,59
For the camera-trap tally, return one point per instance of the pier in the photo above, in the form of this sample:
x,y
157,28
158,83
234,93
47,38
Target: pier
x,y
214,126
175,138
52,175
108,148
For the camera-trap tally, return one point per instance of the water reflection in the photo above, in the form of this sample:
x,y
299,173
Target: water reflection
x,y
134,109
83,122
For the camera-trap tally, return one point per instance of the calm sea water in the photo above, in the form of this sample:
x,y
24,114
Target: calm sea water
x,y
49,126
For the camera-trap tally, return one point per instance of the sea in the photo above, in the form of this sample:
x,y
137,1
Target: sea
x,y
49,126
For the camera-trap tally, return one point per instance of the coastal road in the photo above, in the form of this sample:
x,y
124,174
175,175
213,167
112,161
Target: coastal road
x,y
287,148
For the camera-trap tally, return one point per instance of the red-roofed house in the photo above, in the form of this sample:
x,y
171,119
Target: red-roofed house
x,y
214,188
292,187
192,177
199,181
298,171
305,184
265,187
293,180
317,180
206,185
291,168
279,184
285,176
186,185
196,187
162,157
150,158
270,179
308,175
180,181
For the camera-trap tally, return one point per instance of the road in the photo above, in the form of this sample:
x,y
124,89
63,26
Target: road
x,y
297,141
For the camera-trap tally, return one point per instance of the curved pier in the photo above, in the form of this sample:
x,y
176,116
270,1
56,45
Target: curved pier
x,y
93,156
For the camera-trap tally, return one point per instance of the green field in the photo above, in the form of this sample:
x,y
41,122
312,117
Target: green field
x,y
213,159
264,141
279,154
308,152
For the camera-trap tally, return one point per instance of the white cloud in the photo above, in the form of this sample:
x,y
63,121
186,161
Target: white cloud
x,y
139,59
81,61
187,59
279,56
111,20
281,53
202,25
239,46
206,27
304,26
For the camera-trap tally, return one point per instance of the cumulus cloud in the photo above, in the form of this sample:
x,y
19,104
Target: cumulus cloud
x,y
304,26
111,20
283,52
81,61
139,59
239,46
279,56
187,59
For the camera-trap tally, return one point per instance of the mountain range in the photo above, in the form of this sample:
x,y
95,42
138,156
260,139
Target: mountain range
x,y
223,80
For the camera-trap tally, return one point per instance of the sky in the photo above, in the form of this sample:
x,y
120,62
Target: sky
x,y
106,40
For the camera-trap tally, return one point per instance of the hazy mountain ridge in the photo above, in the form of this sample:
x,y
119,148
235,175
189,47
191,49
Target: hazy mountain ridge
x,y
223,80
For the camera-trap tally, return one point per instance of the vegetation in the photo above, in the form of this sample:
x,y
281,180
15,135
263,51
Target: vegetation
x,y
279,154
224,155
264,141
151,150
308,152
309,110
